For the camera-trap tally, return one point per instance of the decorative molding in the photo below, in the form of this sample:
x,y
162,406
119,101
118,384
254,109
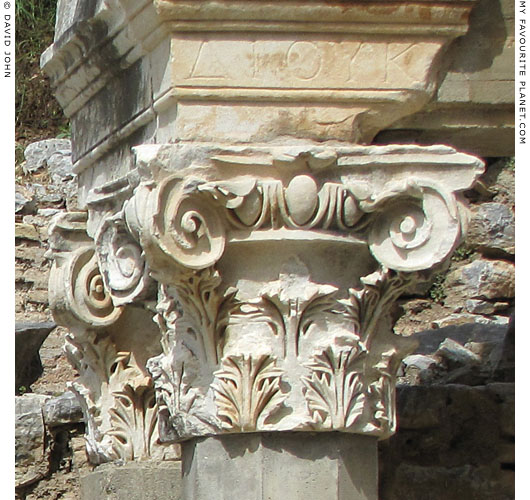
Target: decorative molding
x,y
276,268
118,401
77,291
334,391
246,387
122,263
115,392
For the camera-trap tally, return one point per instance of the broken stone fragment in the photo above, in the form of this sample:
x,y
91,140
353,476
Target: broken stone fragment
x,y
477,306
485,279
32,449
64,409
456,353
463,318
53,153
24,203
418,369
28,340
492,227
26,232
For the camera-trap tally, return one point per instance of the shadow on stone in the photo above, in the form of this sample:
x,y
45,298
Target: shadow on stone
x,y
28,340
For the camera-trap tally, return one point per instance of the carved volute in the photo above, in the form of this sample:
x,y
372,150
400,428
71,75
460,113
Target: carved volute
x,y
276,269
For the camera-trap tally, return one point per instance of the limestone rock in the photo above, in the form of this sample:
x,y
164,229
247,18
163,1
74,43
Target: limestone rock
x,y
24,202
64,409
456,353
486,279
28,340
419,361
31,446
504,358
48,194
492,227
52,153
463,318
477,306
26,231
418,369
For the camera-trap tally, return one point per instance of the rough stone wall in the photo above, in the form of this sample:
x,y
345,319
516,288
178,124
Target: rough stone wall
x,y
49,429
455,397
456,393
47,187
479,284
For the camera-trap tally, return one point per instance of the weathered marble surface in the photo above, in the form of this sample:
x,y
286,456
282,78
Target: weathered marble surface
x,y
270,270
225,195
242,71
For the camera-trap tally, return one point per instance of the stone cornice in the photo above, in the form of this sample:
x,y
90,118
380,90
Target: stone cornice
x,y
121,33
423,17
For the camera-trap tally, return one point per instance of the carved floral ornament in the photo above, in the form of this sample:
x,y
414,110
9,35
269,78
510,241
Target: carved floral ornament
x,y
296,342
115,391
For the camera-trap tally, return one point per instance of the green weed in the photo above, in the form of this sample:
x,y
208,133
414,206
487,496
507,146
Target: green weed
x,y
463,252
437,290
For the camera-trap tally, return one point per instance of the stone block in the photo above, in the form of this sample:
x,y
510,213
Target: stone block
x,y
505,356
504,394
457,418
467,482
62,410
456,353
32,449
28,340
24,203
31,254
478,306
485,279
429,340
38,296
492,227
133,481
26,231
39,277
50,152
464,318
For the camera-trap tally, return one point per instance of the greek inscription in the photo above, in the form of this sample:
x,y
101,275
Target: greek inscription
x,y
365,64
207,64
304,60
402,60
383,63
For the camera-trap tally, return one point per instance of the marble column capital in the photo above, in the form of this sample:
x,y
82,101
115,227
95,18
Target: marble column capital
x,y
276,266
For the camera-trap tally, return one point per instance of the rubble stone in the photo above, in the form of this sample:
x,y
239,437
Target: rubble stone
x,y
64,409
31,446
492,227
49,152
28,340
26,231
456,353
486,279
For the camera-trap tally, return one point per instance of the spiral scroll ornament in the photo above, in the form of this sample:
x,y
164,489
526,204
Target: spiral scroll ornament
x,y
187,225
89,299
122,263
411,234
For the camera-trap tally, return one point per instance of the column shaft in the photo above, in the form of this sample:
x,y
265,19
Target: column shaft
x,y
293,466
